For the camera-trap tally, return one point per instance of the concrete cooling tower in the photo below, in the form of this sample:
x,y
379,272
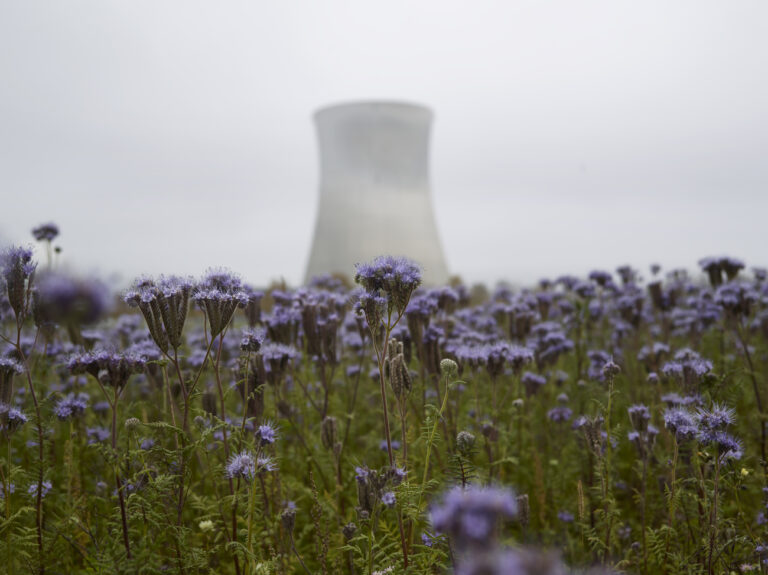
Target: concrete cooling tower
x,y
375,196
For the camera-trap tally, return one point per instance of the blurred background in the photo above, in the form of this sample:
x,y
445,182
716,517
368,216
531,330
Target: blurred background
x,y
170,136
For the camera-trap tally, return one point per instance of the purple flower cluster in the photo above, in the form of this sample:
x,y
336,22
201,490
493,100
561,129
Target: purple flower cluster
x,y
242,465
46,232
60,298
109,367
219,294
394,278
164,303
72,405
469,516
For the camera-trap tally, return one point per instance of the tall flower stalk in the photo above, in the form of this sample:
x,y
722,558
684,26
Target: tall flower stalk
x,y
111,369
388,284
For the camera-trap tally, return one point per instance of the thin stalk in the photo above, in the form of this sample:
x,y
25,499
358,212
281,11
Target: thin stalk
x,y
40,452
7,488
118,483
713,516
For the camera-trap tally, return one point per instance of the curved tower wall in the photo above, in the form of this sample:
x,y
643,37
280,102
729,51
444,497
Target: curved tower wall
x,y
375,196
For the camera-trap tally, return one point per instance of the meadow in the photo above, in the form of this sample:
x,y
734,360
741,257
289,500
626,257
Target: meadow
x,y
605,424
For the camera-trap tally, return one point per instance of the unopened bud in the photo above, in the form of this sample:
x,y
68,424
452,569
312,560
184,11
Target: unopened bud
x,y
465,441
288,519
449,368
131,424
349,531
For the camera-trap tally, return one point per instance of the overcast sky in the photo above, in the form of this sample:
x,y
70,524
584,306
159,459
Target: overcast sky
x,y
170,136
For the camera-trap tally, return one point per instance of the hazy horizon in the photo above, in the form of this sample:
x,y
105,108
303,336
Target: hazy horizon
x,y
175,136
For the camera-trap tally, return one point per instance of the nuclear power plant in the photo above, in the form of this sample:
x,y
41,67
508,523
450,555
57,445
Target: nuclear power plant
x,y
375,196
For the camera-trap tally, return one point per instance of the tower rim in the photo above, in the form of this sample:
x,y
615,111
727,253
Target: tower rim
x,y
405,105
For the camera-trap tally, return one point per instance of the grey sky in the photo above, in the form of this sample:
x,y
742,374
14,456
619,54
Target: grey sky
x,y
173,136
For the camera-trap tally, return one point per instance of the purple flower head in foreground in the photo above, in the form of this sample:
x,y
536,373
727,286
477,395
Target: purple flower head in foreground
x,y
266,433
17,268
469,515
395,277
242,465
60,298
73,405
109,367
164,303
46,232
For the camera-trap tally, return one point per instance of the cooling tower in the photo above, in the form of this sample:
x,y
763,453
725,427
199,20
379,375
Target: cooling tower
x,y
375,196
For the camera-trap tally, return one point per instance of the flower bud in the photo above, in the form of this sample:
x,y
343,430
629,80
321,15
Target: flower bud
x,y
449,368
465,441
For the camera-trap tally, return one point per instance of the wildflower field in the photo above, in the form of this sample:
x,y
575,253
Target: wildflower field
x,y
612,423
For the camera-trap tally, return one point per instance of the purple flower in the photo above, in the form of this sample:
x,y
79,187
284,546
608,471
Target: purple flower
x,y
219,294
97,434
164,303
242,465
565,516
265,464
639,415
46,232
532,382
560,414
109,367
469,515
394,277
362,474
60,298
266,434
11,418
46,488
388,498
72,405
251,341
682,423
